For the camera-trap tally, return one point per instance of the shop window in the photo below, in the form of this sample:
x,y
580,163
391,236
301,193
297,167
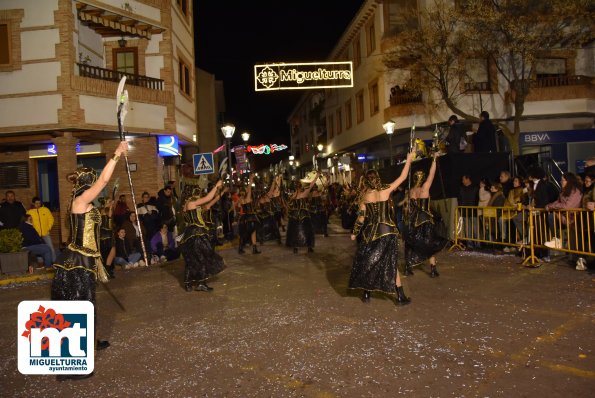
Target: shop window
x,y
348,115
14,175
359,106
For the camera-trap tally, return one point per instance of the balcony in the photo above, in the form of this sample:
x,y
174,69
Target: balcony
x,y
95,72
556,88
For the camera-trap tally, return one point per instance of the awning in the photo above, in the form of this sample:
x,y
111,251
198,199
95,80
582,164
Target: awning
x,y
109,24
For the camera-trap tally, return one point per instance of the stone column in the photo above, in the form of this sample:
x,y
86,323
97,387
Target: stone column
x,y
66,149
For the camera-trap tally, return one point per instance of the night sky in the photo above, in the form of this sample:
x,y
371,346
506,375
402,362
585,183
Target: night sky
x,y
233,36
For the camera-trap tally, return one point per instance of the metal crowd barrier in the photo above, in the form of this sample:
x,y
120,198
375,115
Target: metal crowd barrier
x,y
526,230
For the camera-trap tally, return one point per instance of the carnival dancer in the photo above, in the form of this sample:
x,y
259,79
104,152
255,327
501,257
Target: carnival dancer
x,y
201,260
375,262
300,232
249,222
278,201
79,266
318,206
269,229
421,239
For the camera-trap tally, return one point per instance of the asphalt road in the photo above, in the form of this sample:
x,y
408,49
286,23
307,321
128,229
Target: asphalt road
x,y
285,325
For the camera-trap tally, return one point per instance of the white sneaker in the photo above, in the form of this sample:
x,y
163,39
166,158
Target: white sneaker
x,y
141,263
555,243
581,264
154,259
134,265
163,259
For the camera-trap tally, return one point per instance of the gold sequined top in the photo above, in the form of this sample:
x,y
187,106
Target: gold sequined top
x,y
106,228
298,209
379,221
420,212
195,223
85,232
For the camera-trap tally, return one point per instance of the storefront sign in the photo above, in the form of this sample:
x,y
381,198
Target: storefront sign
x,y
168,145
265,149
556,137
299,76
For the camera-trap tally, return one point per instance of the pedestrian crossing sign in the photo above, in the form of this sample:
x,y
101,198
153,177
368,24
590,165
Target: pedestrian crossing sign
x,y
203,163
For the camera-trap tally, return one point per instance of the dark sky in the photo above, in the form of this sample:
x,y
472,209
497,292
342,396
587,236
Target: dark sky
x,y
233,36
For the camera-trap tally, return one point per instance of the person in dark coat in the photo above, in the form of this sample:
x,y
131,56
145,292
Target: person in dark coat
x,y
12,211
454,135
485,139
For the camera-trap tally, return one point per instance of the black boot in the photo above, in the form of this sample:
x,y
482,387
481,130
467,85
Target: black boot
x,y
310,250
110,271
408,270
203,287
366,296
255,249
295,251
188,286
433,271
241,249
401,299
102,345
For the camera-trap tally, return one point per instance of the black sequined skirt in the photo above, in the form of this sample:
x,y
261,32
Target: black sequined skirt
x,y
269,230
248,224
422,242
300,233
375,265
319,222
201,260
75,278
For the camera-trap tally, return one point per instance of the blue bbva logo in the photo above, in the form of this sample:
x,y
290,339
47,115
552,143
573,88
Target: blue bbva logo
x,y
56,337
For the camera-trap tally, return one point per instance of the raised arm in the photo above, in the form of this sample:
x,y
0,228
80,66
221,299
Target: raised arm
x,y
80,203
426,186
192,204
404,173
307,190
359,222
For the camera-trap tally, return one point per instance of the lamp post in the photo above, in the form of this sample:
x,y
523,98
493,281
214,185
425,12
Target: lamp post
x,y
245,138
389,128
228,131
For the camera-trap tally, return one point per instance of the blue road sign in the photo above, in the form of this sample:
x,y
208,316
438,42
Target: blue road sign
x,y
203,163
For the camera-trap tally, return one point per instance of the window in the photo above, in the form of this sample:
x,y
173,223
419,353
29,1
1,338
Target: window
x,y
125,60
348,116
339,121
357,52
183,6
550,67
399,15
4,44
359,106
371,38
331,126
373,93
478,74
14,175
184,77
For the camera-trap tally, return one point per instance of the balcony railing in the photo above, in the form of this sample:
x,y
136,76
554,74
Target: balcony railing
x,y
560,81
477,86
95,72
405,97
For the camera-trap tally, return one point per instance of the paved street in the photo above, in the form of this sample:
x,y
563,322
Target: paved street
x,y
284,325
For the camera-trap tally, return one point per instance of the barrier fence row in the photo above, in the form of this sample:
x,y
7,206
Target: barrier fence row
x,y
529,230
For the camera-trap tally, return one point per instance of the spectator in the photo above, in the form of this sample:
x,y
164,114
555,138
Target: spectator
x,y
121,211
587,222
455,134
126,256
33,242
514,195
570,198
485,138
163,245
148,214
42,222
543,194
12,211
133,234
506,182
493,217
469,196
165,205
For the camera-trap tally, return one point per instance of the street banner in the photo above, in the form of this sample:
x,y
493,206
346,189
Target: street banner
x,y
240,155
298,76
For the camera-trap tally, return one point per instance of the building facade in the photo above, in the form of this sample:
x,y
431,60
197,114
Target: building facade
x,y
562,98
60,64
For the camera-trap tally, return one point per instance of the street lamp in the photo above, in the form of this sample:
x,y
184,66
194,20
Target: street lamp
x,y
245,136
389,128
228,131
320,147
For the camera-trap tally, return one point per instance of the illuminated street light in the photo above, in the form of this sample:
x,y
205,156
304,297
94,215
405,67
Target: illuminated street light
x,y
320,147
228,131
245,136
389,128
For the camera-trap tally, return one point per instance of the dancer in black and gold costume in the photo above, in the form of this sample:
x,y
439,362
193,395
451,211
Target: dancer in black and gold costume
x,y
318,210
249,222
421,239
106,235
201,260
269,230
375,262
300,232
79,265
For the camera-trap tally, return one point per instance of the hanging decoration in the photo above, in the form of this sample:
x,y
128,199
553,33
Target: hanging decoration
x,y
265,149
